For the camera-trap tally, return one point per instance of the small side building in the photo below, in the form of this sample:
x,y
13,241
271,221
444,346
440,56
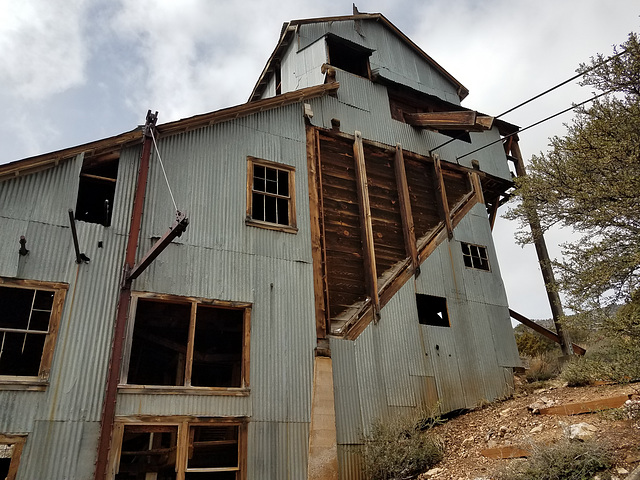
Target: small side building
x,y
330,263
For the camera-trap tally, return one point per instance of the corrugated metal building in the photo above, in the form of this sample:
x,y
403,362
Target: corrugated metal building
x,y
327,228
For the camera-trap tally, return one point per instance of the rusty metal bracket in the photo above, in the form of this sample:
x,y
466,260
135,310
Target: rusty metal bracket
x,y
175,230
80,257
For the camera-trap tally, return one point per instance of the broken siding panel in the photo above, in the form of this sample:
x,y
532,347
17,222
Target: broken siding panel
x,y
302,68
346,392
277,450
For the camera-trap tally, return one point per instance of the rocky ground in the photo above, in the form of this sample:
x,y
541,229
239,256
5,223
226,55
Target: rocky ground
x,y
512,423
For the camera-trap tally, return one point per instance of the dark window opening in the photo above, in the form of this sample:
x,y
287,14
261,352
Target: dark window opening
x,y
148,450
348,57
278,78
24,327
271,189
214,450
5,462
10,453
96,191
172,346
475,256
432,310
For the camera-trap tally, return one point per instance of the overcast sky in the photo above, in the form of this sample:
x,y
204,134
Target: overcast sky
x,y
74,71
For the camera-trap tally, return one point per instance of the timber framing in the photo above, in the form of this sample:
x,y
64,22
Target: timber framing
x,y
17,442
377,168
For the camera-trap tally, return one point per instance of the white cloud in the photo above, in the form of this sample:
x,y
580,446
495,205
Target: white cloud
x,y
42,47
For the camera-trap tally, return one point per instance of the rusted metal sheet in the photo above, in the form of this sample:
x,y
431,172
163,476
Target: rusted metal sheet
x,y
586,407
505,452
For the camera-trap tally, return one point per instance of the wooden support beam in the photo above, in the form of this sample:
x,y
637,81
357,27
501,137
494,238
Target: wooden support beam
x,y
586,407
441,195
317,250
578,350
494,212
408,229
477,186
466,120
371,277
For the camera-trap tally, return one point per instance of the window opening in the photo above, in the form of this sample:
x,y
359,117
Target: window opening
x,y
187,344
96,190
148,452
348,56
213,450
271,198
432,310
475,256
27,330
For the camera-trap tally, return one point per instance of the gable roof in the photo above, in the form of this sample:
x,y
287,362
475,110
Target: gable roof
x,y
111,145
289,29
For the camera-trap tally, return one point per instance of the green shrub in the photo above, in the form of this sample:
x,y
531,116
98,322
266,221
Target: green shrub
x,y
532,344
399,448
543,367
566,460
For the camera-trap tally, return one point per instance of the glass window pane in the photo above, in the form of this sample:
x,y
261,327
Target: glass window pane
x,y
44,300
258,171
270,209
257,206
283,183
272,174
283,211
217,353
160,336
15,305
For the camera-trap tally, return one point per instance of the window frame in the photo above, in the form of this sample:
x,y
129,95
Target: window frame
x,y
422,299
40,381
18,442
183,425
291,227
470,256
242,390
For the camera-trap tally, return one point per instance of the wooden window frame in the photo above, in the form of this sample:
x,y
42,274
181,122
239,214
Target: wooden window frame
x,y
18,442
183,425
242,390
291,198
480,248
40,381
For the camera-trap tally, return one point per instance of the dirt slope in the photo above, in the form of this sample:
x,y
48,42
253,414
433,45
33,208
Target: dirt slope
x,y
510,422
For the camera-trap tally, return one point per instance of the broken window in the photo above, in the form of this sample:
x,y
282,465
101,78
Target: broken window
x,y
28,325
475,256
96,189
348,56
10,452
270,195
432,310
187,343
207,450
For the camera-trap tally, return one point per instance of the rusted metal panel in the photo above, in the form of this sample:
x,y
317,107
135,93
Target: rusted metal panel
x,y
346,392
350,461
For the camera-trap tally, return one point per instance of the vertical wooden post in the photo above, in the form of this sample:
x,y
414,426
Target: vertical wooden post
x,y
477,187
316,215
371,276
494,212
408,228
441,195
550,283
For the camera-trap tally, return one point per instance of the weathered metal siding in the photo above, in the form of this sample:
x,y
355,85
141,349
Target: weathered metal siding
x,y
219,257
302,68
62,422
391,58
